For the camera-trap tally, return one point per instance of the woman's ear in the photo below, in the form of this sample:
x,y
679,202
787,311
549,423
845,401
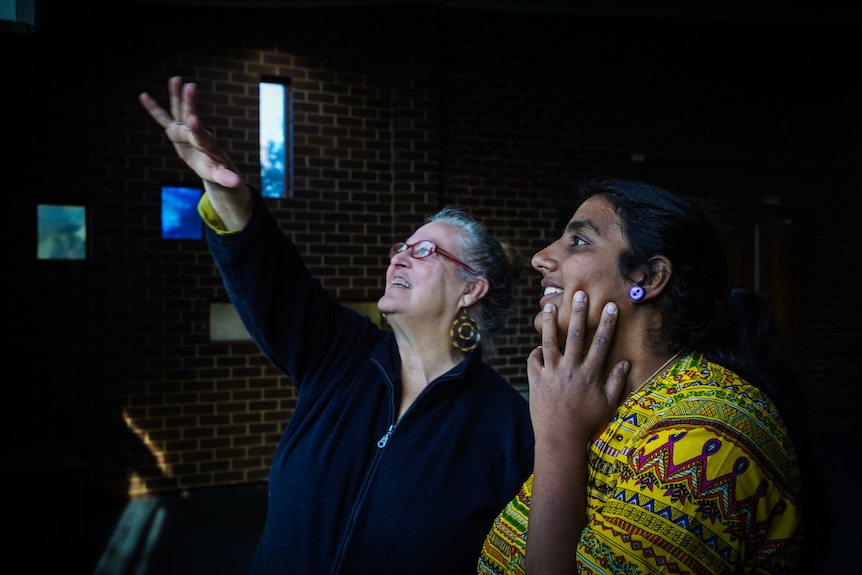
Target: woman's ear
x,y
661,270
474,291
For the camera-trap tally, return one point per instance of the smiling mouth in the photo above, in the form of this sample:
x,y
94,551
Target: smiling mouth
x,y
401,282
551,291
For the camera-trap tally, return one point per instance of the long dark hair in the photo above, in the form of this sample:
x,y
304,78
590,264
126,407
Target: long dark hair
x,y
701,310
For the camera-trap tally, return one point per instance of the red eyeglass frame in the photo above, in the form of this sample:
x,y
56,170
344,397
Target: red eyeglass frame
x,y
399,247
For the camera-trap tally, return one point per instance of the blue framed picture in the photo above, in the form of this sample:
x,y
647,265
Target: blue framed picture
x,y
180,219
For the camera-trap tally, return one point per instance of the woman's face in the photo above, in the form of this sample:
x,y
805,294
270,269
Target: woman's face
x,y
584,258
428,289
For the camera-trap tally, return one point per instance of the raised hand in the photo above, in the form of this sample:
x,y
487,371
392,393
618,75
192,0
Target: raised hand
x,y
196,146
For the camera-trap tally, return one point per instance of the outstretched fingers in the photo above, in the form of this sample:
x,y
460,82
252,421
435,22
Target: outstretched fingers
x,y
194,144
175,90
182,104
159,114
188,103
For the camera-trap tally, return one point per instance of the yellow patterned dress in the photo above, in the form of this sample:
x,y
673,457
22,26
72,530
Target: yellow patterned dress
x,y
694,474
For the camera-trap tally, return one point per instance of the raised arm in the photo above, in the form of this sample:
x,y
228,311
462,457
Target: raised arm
x,y
198,148
569,402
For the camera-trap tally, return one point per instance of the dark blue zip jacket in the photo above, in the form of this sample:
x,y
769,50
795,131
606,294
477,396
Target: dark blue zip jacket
x,y
352,490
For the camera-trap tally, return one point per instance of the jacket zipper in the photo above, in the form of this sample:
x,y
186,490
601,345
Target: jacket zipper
x,y
381,443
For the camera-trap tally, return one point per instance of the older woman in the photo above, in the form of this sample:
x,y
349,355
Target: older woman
x,y
404,444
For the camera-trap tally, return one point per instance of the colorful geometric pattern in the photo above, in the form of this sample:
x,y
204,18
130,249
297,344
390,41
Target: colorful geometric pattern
x,y
694,474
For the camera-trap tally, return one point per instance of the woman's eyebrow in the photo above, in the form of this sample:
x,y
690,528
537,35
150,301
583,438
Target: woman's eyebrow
x,y
576,225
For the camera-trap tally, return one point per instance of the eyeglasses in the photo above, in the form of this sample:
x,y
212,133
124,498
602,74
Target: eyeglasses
x,y
424,248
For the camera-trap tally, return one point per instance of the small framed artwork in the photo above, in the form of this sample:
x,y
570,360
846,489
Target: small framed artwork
x,y
180,219
61,232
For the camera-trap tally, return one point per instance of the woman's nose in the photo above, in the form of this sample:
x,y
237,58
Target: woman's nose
x,y
542,260
399,258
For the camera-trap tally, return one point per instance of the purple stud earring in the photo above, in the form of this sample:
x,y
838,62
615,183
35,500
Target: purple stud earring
x,y
636,293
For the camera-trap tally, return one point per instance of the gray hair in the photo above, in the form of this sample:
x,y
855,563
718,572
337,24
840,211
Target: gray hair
x,y
500,263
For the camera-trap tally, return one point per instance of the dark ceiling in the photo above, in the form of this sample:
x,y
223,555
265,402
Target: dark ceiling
x,y
750,10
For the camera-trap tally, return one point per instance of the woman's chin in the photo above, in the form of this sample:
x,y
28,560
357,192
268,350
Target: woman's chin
x,y
382,305
537,322
561,329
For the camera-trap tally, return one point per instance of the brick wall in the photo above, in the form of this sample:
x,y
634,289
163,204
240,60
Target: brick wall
x,y
398,110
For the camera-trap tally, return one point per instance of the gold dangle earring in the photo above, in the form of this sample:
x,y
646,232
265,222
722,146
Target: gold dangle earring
x,y
465,332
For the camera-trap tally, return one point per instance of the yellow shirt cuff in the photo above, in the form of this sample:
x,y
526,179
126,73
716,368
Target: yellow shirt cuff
x,y
211,218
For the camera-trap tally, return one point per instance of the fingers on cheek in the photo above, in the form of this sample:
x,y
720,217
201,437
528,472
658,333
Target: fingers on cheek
x,y
601,341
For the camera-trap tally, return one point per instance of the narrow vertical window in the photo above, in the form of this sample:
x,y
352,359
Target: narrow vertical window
x,y
276,138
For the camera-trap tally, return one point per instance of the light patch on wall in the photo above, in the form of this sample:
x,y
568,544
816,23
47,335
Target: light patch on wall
x,y
225,324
